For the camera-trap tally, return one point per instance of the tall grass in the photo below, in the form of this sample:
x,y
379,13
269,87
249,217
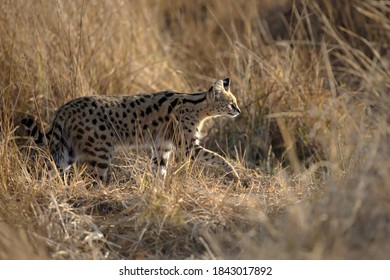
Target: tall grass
x,y
312,80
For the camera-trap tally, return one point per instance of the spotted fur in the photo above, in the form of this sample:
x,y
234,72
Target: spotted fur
x,y
89,129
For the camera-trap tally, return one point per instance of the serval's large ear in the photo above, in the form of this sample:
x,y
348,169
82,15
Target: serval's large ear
x,y
226,83
215,91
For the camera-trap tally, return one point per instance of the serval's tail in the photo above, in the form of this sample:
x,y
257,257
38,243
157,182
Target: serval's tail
x,y
33,130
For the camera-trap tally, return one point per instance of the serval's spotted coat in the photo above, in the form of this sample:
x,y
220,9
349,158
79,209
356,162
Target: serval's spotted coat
x,y
88,129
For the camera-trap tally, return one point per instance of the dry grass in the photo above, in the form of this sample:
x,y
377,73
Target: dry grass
x,y
312,79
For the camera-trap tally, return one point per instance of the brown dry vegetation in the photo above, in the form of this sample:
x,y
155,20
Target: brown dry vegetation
x,y
313,140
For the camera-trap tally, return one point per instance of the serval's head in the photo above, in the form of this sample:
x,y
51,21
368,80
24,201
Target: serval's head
x,y
221,101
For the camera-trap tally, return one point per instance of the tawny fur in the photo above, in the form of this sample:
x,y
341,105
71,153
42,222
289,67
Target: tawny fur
x,y
89,129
